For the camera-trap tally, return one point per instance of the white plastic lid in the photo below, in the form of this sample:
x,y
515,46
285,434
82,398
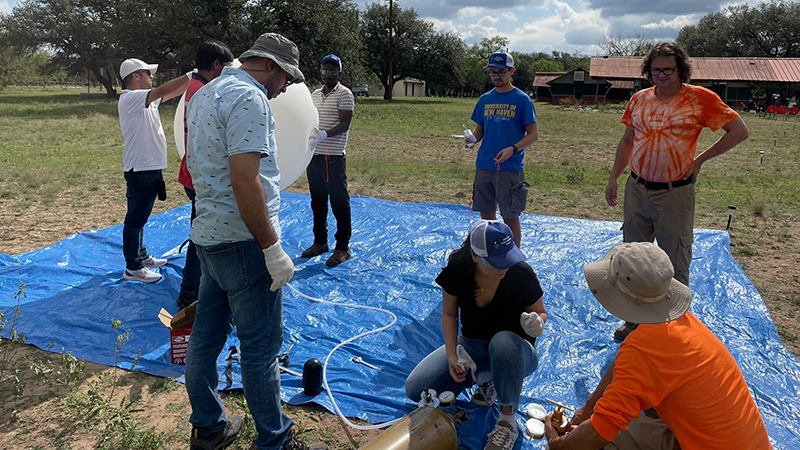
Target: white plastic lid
x,y
536,411
534,428
447,398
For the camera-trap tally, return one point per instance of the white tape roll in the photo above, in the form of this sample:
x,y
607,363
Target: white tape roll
x,y
534,428
536,411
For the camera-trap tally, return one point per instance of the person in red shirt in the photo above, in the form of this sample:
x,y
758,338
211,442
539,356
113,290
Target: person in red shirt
x,y
211,58
671,366
663,124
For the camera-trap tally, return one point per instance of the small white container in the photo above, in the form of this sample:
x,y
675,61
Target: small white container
x,y
536,411
534,428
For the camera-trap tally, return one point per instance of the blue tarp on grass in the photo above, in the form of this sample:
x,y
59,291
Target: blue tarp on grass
x,y
74,290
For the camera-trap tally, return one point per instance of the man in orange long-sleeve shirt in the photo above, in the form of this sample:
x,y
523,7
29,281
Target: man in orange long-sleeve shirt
x,y
671,363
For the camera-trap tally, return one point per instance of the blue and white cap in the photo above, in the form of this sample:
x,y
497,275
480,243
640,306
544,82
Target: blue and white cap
x,y
332,58
493,241
501,60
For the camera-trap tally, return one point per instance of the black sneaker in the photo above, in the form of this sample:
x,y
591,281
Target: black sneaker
x,y
203,439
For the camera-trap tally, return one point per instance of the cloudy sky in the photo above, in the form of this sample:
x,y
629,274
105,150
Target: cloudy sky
x,y
546,25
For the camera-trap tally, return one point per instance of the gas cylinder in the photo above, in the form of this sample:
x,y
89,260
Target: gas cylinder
x,y
425,428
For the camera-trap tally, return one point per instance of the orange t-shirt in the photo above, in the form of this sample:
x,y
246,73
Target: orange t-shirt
x,y
683,371
666,132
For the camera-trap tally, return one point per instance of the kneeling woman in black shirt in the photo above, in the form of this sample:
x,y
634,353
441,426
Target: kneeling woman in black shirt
x,y
502,314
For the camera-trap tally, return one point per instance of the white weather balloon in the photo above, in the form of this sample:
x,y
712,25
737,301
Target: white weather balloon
x,y
296,119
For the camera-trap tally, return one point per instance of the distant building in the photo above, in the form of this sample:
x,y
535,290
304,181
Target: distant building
x,y
407,87
576,86
613,79
733,79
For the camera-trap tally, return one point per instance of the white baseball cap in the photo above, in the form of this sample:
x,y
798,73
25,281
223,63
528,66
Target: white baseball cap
x,y
132,65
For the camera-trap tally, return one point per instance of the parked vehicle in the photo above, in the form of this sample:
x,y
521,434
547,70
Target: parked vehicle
x,y
361,90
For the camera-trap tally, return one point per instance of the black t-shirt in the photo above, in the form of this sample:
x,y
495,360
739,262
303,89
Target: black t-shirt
x,y
518,290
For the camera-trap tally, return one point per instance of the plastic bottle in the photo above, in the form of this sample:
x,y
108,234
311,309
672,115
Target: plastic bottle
x,y
468,135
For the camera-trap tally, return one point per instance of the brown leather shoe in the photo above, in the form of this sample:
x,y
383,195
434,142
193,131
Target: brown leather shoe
x,y
338,257
622,332
314,250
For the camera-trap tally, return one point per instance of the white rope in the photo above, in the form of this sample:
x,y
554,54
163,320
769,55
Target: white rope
x,y
325,366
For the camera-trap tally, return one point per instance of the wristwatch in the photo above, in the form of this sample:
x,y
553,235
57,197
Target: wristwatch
x,y
514,146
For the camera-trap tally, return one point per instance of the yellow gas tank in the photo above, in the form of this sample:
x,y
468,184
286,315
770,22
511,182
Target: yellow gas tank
x,y
425,428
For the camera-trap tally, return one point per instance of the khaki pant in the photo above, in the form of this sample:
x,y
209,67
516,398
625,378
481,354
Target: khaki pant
x,y
666,215
645,433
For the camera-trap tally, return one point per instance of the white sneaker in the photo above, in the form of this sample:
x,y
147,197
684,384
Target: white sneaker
x,y
153,262
502,437
144,275
484,394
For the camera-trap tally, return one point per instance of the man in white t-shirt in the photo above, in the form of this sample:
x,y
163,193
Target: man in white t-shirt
x,y
327,175
143,159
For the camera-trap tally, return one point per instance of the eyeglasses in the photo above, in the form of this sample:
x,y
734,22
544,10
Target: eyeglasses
x,y
500,73
667,71
329,71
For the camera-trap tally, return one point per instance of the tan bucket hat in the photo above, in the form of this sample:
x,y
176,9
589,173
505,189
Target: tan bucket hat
x,y
279,49
634,281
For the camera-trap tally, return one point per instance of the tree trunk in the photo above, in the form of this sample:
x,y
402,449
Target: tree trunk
x,y
387,91
110,91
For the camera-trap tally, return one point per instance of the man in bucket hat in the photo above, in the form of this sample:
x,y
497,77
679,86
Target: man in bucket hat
x,y
671,363
232,158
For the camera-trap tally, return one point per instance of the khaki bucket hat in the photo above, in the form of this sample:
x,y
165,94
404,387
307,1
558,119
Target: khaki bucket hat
x,y
634,281
279,49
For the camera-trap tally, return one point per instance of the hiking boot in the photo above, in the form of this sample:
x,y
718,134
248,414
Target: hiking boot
x,y
314,250
203,439
153,262
484,395
338,257
144,275
622,332
502,437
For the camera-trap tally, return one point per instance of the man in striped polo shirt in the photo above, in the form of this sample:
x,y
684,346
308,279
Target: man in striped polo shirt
x,y
327,175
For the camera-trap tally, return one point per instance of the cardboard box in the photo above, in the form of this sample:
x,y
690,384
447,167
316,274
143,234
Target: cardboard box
x,y
180,327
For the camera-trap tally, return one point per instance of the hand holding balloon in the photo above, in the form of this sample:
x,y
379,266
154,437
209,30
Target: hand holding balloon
x,y
316,138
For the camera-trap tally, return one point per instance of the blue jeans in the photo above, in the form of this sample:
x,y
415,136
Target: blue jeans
x,y
235,283
141,193
190,284
509,357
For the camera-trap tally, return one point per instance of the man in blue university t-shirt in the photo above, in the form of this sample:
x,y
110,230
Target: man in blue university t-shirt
x,y
506,125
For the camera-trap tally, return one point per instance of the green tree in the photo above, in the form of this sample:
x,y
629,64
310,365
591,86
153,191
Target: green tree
x,y
487,46
415,46
768,30
79,34
546,65
318,27
447,76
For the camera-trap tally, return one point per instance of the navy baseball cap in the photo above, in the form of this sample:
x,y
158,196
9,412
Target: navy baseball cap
x,y
493,241
500,60
332,58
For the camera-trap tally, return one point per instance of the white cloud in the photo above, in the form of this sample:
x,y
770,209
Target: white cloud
x,y
443,25
470,11
485,27
508,15
5,7
565,30
677,23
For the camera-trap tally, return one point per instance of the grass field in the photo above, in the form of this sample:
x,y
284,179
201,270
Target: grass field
x,y
61,152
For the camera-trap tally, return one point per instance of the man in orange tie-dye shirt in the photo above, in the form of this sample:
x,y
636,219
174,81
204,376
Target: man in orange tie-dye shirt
x,y
660,147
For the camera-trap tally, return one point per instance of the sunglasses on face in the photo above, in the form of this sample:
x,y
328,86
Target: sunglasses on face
x,y
329,71
499,73
666,71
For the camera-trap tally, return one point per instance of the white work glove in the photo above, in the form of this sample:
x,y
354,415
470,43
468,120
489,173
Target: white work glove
x,y
465,362
279,265
532,324
318,137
